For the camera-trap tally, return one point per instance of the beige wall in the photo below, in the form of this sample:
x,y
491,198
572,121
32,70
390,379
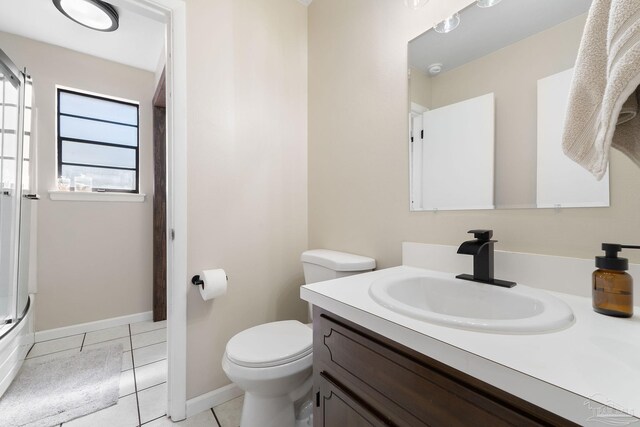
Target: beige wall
x,y
541,55
420,87
247,179
358,154
94,258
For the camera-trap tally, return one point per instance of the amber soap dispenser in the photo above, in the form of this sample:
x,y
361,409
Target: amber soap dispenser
x,y
612,286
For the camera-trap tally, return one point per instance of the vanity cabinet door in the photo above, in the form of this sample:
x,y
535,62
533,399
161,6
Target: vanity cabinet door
x,y
337,407
361,378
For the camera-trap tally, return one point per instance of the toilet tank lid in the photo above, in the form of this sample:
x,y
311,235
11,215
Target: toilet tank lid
x,y
338,261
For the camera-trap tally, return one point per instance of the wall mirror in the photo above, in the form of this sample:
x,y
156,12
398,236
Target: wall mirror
x,y
487,107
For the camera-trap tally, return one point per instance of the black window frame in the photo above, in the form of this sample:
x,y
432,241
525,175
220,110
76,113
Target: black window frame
x,y
61,90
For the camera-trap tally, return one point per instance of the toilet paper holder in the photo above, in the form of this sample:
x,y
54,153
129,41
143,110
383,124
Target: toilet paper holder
x,y
196,280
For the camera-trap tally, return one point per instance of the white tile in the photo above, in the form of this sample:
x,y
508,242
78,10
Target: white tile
x,y
126,344
149,338
152,402
152,353
140,327
151,374
127,362
46,347
106,334
229,412
203,419
127,383
123,414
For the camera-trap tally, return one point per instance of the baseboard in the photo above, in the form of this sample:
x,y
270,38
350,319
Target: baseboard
x,y
213,398
51,334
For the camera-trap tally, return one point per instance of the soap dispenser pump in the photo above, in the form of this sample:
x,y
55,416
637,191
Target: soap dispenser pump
x,y
612,286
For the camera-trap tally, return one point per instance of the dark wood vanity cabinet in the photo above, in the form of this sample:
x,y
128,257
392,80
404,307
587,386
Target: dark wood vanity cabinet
x,y
364,379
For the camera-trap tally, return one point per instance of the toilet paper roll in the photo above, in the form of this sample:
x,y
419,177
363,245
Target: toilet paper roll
x,y
215,284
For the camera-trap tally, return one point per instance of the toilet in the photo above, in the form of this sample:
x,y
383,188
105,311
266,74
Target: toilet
x,y
272,362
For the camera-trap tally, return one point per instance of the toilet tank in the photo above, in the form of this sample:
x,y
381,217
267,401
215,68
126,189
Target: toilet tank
x,y
323,264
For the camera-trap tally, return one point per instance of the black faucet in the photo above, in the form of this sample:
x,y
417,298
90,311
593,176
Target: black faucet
x,y
482,250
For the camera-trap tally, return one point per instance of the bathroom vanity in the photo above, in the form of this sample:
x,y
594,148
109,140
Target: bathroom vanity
x,y
362,378
376,366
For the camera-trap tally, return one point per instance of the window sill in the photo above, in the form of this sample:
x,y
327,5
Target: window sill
x,y
95,196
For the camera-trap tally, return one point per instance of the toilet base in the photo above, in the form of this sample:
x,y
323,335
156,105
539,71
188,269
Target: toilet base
x,y
261,411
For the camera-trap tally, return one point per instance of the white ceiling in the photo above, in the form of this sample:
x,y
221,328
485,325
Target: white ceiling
x,y
138,42
483,31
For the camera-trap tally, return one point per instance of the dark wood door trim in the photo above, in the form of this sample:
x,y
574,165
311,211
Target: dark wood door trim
x,y
160,202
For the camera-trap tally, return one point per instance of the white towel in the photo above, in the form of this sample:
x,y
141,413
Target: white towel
x,y
606,75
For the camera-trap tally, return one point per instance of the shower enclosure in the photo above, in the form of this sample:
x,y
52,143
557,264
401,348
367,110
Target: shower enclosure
x,y
16,199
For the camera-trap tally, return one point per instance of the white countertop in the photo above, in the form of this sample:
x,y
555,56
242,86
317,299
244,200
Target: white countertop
x,y
572,372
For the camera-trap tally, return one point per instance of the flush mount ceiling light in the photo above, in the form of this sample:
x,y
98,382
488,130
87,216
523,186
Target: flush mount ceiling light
x,y
434,69
448,25
415,4
94,14
487,3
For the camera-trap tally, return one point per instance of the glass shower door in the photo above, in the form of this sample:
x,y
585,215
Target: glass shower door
x,y
27,197
10,190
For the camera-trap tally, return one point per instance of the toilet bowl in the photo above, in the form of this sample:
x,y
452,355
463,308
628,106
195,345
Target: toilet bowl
x,y
272,362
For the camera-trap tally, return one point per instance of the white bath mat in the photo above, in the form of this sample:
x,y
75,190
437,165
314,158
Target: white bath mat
x,y
52,391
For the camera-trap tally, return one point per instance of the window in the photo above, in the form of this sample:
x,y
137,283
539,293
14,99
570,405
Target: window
x,y
98,139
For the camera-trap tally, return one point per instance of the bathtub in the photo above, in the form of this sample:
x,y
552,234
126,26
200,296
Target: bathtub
x,y
15,342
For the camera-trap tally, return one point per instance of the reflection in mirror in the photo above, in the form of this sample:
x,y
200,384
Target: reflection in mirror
x,y
469,153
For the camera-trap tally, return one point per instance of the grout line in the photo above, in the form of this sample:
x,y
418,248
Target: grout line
x,y
47,354
99,342
109,340
120,338
83,339
26,356
151,386
60,338
135,382
150,421
126,395
216,417
146,332
146,364
148,345
98,330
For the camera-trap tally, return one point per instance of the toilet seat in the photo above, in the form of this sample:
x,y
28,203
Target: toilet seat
x,y
270,344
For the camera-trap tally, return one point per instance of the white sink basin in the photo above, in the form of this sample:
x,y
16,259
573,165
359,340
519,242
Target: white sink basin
x,y
445,300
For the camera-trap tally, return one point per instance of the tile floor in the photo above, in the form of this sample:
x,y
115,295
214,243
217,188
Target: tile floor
x,y
143,383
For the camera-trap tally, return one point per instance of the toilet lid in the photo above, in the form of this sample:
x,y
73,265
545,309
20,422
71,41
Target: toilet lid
x,y
271,344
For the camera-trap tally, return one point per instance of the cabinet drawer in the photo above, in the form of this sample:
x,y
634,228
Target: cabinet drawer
x,y
412,389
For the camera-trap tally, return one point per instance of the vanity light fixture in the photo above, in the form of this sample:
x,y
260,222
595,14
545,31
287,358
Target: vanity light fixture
x,y
448,25
94,14
487,3
415,4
